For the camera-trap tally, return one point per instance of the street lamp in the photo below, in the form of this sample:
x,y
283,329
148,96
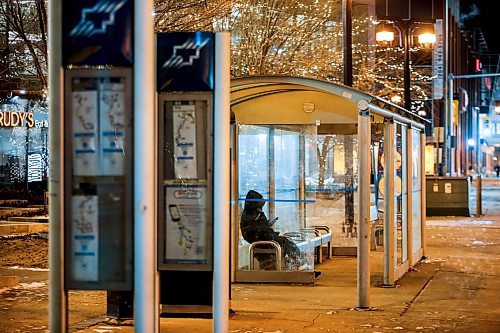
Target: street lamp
x,y
406,29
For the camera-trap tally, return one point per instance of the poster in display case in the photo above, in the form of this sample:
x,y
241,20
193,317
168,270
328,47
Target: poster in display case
x,y
98,180
84,106
185,231
184,138
112,125
85,227
98,127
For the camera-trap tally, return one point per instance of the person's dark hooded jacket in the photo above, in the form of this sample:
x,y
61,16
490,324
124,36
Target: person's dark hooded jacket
x,y
254,223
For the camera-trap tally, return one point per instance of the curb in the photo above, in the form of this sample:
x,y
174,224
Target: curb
x,y
22,228
34,219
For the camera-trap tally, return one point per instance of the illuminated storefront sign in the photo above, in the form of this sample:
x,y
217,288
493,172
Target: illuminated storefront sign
x,y
16,119
35,168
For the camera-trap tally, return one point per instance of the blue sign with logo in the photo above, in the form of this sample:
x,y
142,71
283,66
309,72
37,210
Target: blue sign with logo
x,y
97,32
185,61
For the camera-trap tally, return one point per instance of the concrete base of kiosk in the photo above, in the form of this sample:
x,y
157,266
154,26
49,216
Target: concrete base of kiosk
x,y
189,311
186,311
120,304
304,277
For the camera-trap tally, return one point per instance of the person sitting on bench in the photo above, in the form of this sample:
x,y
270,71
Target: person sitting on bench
x,y
256,227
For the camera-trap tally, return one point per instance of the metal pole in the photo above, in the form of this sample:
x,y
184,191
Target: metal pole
x,y
387,114
447,106
364,138
449,113
409,194
423,198
222,163
479,195
145,273
347,24
58,300
406,67
389,203
473,76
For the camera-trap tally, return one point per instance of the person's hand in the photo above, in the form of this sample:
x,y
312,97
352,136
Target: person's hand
x,y
272,221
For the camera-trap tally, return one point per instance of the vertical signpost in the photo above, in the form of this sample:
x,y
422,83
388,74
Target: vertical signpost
x,y
103,181
145,273
185,123
193,199
91,149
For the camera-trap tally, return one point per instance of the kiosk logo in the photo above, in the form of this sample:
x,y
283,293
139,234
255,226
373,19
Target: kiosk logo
x,y
95,20
182,55
186,50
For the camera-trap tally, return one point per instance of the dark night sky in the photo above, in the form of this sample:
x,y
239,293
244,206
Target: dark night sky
x,y
489,22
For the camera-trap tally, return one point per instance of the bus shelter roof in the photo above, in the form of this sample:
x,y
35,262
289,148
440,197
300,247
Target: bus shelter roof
x,y
296,100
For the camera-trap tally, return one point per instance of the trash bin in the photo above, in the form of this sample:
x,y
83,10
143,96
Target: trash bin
x,y
448,196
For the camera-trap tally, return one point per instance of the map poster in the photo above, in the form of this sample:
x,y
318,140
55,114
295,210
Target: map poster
x,y
112,128
184,132
185,224
85,238
84,121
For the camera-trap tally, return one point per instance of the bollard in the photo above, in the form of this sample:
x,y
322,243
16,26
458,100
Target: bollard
x,y
479,195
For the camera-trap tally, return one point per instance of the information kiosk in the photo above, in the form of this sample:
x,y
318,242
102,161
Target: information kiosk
x,y
185,83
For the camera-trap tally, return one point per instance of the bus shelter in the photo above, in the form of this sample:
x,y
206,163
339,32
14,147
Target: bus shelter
x,y
323,154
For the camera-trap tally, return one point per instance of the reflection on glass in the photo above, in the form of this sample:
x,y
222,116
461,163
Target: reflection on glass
x,y
400,203
417,192
286,179
331,178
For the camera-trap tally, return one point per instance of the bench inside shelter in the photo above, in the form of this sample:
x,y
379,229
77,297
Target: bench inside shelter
x,y
266,256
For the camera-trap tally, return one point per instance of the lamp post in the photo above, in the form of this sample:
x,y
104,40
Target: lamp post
x,y
405,28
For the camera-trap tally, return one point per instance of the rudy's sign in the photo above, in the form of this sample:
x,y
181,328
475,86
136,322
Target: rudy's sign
x,y
16,119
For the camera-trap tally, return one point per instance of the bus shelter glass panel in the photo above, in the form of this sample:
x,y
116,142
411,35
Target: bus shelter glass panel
x,y
286,177
253,168
401,196
331,177
416,175
270,199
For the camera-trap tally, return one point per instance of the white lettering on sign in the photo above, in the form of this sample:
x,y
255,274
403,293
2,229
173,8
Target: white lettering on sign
x,y
34,168
16,119
41,124
438,61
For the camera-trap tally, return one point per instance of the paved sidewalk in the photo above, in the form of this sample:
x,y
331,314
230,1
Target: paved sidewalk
x,y
456,289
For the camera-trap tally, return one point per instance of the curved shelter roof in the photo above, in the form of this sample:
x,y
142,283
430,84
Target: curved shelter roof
x,y
266,99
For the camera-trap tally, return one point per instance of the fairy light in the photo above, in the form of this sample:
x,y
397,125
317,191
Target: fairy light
x,y
302,39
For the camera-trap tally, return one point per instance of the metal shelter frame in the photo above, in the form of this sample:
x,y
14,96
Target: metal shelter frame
x,y
342,105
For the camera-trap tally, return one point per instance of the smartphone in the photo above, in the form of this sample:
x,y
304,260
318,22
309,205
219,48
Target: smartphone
x,y
272,221
175,213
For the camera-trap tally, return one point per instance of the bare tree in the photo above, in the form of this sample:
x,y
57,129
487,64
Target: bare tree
x,y
191,15
267,37
24,24
286,37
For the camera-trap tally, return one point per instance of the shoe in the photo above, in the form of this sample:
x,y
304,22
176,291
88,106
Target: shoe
x,y
317,273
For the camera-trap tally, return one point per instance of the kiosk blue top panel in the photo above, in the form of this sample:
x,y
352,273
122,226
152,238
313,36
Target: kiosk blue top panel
x,y
185,61
97,32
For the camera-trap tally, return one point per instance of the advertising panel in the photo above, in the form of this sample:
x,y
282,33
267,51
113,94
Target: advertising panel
x,y
185,231
98,179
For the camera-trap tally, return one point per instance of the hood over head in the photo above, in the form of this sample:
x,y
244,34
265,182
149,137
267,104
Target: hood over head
x,y
253,204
